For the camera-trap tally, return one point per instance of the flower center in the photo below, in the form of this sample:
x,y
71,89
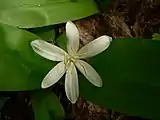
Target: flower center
x,y
68,59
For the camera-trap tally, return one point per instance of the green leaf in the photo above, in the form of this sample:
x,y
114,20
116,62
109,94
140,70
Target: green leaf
x,y
61,41
46,106
45,33
156,36
20,67
38,13
130,70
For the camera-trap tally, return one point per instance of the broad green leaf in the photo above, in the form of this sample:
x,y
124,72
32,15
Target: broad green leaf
x,y
130,70
46,106
45,33
156,36
38,13
61,41
20,67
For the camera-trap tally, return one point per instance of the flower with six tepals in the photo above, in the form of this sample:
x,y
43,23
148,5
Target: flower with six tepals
x,y
70,60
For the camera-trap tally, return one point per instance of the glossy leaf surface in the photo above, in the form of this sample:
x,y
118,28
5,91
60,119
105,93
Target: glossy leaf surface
x,y
20,67
38,13
130,69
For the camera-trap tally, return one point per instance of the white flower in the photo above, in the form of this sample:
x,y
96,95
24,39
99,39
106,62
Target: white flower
x,y
71,60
